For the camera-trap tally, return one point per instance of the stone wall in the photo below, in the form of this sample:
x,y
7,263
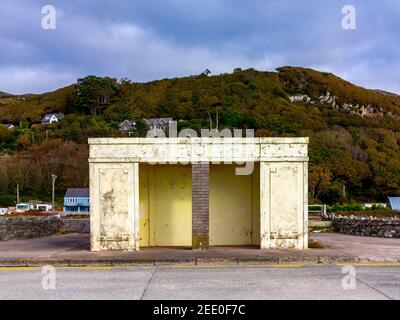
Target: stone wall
x,y
372,227
28,227
75,225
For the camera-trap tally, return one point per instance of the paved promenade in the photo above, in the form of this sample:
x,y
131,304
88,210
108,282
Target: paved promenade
x,y
73,249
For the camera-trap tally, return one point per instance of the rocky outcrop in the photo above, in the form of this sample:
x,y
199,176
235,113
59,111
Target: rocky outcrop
x,y
332,101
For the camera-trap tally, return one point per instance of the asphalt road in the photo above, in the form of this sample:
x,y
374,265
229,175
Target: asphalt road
x,y
197,282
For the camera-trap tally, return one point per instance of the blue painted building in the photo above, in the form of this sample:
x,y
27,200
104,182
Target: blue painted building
x,y
77,200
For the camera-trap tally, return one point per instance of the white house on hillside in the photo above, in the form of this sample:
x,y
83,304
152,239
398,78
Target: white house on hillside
x,y
9,126
52,117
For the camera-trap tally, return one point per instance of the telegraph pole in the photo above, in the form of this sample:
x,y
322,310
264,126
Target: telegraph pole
x,y
17,193
53,180
217,118
209,117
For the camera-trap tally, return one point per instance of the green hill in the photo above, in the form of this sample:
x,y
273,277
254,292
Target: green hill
x,y
32,107
354,132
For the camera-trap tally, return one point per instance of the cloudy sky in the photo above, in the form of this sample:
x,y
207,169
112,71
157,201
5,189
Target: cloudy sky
x,y
151,39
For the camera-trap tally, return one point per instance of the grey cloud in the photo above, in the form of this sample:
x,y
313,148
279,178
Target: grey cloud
x,y
145,40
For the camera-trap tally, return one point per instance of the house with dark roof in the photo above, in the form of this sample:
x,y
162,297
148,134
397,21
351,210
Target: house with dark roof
x,y
77,200
51,118
127,126
394,203
159,123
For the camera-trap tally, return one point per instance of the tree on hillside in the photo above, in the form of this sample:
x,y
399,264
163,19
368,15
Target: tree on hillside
x,y
6,137
206,72
94,94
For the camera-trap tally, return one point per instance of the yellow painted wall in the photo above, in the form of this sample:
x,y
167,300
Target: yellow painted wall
x,y
165,205
234,206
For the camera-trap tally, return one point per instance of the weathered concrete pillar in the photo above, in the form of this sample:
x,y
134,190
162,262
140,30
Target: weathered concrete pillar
x,y
200,205
114,206
283,207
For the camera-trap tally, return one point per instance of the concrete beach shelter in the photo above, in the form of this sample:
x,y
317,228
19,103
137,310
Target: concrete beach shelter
x,y
198,192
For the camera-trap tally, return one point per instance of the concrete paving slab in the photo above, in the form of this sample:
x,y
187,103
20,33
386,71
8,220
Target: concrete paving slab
x,y
384,280
255,283
75,284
